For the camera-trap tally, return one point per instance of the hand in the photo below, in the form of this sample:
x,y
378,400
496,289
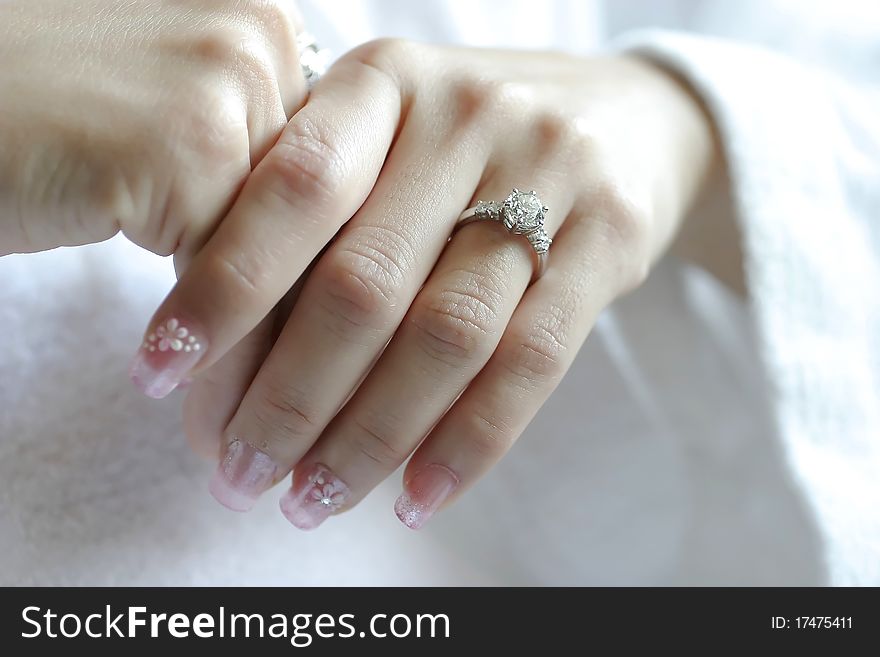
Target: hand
x,y
404,137
144,117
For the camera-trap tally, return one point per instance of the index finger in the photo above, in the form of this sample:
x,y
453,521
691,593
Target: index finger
x,y
310,183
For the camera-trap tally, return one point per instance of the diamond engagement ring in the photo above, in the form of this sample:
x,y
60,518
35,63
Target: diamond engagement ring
x,y
313,60
521,213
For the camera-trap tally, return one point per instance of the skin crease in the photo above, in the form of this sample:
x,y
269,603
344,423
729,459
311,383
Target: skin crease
x,y
170,130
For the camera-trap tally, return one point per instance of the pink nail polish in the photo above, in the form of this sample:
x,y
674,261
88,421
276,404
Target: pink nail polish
x,y
165,358
424,494
242,476
314,498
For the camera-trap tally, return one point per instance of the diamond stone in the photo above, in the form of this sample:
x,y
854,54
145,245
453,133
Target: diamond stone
x,y
523,212
540,240
487,209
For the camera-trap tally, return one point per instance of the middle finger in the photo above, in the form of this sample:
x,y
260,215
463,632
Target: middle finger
x,y
349,309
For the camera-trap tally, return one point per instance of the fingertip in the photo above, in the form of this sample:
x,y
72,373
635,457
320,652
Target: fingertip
x,y
149,380
166,358
242,476
228,496
408,512
314,497
424,493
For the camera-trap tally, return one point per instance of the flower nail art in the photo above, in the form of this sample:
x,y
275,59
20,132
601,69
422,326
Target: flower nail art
x,y
166,357
328,494
314,498
172,336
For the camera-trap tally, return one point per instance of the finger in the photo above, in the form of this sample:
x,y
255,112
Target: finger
x,y
447,337
214,397
536,350
277,23
355,299
311,182
259,63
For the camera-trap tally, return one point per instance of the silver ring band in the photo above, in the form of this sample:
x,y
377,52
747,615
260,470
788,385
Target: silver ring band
x,y
313,60
521,213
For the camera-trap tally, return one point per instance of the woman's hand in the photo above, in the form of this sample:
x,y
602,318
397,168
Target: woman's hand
x,y
144,117
400,341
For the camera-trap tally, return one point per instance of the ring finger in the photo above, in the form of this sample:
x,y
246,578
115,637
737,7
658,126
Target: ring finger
x,y
447,337
588,270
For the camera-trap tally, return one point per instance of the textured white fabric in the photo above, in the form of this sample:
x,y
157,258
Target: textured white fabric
x,y
654,462
664,457
804,154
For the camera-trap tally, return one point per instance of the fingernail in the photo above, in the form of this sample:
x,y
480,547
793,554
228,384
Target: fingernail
x,y
424,494
243,475
165,358
314,498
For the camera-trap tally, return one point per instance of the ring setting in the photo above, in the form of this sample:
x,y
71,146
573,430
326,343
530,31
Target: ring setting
x,y
521,213
313,59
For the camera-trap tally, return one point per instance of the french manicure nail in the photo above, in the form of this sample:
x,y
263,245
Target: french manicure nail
x,y
314,498
242,476
167,355
424,494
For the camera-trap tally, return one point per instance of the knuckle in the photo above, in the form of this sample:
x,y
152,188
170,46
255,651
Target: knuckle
x,y
376,446
360,282
457,324
387,54
276,20
217,47
238,276
475,100
623,221
488,437
284,413
474,106
537,356
101,191
269,11
305,163
447,334
255,68
623,215
353,299
556,133
235,51
214,126
531,361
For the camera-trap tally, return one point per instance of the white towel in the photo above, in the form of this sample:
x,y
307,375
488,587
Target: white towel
x,y
803,146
